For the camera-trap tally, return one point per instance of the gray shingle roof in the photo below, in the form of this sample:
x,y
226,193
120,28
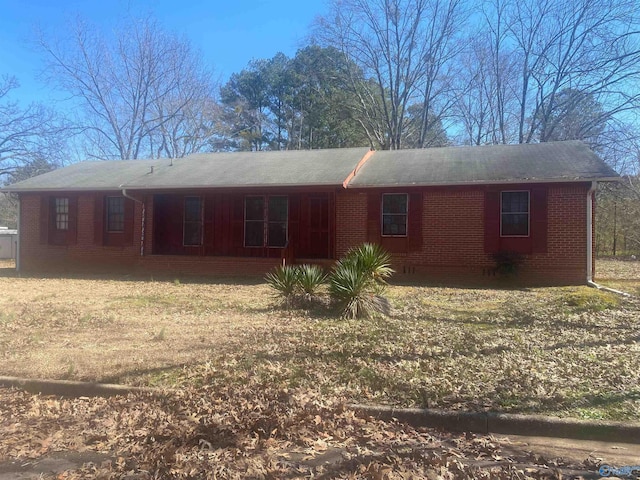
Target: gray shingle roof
x,y
527,163
205,170
544,162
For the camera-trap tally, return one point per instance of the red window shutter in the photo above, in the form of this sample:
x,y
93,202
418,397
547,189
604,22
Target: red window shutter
x,y
539,221
129,209
415,222
45,219
72,232
237,221
492,221
374,219
98,220
208,217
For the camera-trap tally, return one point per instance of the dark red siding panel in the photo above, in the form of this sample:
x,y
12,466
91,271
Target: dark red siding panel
x,y
129,208
72,232
167,224
539,222
209,224
332,225
373,217
98,220
237,224
415,222
294,226
45,216
492,221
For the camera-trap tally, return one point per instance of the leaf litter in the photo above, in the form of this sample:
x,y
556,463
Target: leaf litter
x,y
253,431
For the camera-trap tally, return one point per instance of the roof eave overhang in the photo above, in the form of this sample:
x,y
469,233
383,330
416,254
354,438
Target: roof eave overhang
x,y
168,187
481,183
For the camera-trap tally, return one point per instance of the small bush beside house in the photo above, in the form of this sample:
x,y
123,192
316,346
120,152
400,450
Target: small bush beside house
x,y
357,282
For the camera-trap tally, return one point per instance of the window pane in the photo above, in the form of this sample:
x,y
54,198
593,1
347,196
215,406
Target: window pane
x,y
62,205
254,208
254,234
193,233
515,224
394,225
277,234
278,209
515,202
115,214
62,213
192,209
394,203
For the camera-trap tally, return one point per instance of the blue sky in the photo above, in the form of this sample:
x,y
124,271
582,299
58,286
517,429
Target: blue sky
x,y
229,33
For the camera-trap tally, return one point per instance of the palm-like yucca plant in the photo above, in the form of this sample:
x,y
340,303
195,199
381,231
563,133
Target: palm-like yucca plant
x,y
284,279
371,259
310,277
358,281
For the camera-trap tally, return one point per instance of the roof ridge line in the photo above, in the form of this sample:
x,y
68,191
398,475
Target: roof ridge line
x,y
353,173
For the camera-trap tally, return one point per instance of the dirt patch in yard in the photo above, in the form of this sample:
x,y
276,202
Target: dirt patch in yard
x,y
106,330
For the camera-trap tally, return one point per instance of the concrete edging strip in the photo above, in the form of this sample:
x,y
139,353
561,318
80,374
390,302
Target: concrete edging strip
x,y
506,423
67,388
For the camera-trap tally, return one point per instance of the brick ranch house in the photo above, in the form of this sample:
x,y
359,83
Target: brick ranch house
x,y
441,212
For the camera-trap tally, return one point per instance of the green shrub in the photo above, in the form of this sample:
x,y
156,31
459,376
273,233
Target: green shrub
x,y
373,260
284,280
310,278
358,281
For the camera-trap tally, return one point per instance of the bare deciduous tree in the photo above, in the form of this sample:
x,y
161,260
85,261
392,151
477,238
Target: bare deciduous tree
x,y
541,64
403,48
142,92
31,138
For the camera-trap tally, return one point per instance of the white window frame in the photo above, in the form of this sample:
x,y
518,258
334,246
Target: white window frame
x,y
382,214
528,213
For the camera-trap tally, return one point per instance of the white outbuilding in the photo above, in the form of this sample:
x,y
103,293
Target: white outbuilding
x,y
8,243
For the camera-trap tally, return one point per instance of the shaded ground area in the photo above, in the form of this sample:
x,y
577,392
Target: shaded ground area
x,y
257,431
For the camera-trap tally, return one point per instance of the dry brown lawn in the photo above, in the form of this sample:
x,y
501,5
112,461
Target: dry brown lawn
x,y
619,274
91,329
569,351
264,389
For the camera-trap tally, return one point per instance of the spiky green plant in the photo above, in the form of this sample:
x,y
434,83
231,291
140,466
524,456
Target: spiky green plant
x,y
310,277
358,281
284,280
372,260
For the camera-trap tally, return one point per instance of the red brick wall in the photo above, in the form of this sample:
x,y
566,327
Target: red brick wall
x,y
88,257
453,237
351,220
452,241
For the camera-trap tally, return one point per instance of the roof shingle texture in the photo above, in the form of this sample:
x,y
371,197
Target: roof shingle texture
x,y
553,161
205,170
528,163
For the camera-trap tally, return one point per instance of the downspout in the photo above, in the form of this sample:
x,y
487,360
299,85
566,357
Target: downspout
x,y
124,194
590,194
19,230
590,282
